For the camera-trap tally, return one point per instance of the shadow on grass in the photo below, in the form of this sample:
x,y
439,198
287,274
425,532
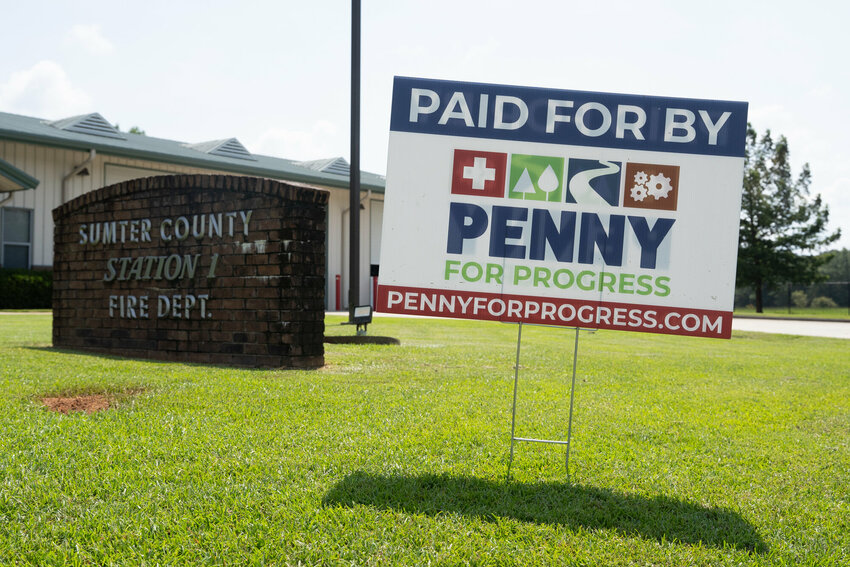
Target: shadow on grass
x,y
658,518
133,357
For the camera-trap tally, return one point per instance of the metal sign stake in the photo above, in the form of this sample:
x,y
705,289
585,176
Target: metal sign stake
x,y
572,398
514,438
513,412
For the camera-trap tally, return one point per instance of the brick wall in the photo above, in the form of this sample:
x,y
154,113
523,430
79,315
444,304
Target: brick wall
x,y
194,268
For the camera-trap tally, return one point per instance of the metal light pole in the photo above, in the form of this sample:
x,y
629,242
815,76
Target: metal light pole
x,y
354,173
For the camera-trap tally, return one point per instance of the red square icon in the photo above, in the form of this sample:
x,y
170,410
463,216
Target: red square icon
x,y
479,173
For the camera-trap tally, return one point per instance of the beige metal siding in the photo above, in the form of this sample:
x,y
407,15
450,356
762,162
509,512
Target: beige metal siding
x,y
50,165
45,164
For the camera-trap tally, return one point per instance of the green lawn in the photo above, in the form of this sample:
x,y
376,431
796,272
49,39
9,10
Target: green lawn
x,y
685,452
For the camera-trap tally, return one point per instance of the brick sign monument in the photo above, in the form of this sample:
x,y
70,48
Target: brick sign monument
x,y
194,268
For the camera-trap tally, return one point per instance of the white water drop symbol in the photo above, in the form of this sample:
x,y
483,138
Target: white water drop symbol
x,y
548,181
524,184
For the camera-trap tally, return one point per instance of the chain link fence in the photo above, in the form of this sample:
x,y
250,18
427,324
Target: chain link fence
x,y
825,295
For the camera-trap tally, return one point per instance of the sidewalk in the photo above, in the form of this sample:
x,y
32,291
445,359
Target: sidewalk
x,y
806,327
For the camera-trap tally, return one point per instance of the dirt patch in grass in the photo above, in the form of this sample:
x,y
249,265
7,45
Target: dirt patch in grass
x,y
89,403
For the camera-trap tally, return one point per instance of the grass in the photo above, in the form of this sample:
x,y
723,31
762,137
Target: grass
x,y
798,312
685,452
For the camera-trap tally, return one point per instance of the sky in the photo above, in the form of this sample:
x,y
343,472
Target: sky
x,y
276,74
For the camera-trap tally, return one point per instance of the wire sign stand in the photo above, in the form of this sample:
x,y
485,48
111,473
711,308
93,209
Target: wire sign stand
x,y
514,438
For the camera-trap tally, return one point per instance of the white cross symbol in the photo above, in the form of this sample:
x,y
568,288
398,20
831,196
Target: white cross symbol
x,y
479,173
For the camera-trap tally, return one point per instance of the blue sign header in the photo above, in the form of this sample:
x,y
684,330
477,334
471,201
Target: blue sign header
x,y
579,118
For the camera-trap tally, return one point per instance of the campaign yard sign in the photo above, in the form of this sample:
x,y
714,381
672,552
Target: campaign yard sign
x,y
562,207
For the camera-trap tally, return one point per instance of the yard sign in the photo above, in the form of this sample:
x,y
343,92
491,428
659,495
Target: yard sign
x,y
562,207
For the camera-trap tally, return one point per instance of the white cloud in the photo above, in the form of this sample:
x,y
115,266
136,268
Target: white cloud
x,y
321,141
45,91
775,117
90,38
823,91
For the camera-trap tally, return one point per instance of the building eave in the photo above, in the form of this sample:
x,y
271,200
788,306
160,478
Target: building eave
x,y
13,179
204,161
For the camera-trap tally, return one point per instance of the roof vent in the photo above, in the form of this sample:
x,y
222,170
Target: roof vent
x,y
230,148
336,166
93,124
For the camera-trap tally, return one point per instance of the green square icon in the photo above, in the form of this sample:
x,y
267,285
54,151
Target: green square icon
x,y
536,178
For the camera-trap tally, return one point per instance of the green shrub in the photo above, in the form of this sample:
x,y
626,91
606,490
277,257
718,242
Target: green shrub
x,y
799,298
26,289
824,302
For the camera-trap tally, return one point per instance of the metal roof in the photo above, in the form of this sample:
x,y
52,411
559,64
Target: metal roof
x,y
13,179
331,165
225,148
93,123
15,127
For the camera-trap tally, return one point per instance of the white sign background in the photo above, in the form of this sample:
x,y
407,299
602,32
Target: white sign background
x,y
698,254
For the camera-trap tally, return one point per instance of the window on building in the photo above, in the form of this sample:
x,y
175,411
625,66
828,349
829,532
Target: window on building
x,y
15,237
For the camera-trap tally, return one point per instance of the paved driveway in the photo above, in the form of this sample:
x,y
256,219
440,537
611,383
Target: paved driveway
x,y
832,329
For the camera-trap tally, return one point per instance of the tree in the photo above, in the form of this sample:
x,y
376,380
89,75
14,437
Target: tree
x,y
836,266
782,227
132,130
